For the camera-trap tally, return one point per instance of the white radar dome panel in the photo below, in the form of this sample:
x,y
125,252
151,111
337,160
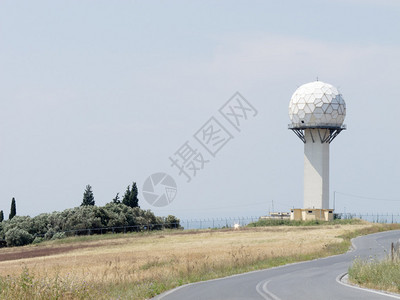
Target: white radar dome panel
x,y
317,104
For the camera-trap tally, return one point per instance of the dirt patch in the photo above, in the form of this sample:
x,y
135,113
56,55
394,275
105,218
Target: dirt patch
x,y
41,252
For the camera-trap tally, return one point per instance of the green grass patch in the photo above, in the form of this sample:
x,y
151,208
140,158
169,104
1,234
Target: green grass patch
x,y
375,274
287,222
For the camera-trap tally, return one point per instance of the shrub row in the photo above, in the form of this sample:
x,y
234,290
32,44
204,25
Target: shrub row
x,y
23,230
287,222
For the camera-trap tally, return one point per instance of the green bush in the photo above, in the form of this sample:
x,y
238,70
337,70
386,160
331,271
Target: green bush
x,y
18,237
49,234
172,222
38,240
20,222
58,235
270,222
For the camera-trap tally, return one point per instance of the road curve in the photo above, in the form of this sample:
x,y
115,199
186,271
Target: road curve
x,y
317,279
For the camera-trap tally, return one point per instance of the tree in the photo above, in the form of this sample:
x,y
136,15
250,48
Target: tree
x,y
13,210
127,195
1,216
116,199
130,198
134,194
88,198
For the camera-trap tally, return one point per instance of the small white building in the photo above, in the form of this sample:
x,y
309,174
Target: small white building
x,y
277,215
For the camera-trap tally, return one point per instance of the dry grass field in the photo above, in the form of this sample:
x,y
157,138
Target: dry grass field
x,y
141,265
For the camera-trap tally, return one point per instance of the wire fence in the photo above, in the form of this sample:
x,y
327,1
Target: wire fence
x,y
217,223
373,217
227,222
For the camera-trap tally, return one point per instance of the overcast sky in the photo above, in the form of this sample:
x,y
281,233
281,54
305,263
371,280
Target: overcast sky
x,y
106,92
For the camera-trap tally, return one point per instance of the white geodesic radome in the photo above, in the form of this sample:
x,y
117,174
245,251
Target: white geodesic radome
x,y
317,104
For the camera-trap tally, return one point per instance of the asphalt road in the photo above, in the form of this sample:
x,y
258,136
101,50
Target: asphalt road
x,y
317,279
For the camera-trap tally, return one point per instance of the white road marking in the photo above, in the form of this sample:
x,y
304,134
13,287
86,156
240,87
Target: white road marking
x,y
262,290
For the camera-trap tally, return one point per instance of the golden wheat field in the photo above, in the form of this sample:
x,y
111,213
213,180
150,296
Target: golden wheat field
x,y
135,265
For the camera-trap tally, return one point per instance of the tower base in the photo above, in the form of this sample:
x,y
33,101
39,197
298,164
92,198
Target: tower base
x,y
311,214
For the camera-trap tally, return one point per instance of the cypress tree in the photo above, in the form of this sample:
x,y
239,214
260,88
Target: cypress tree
x,y
134,195
1,216
13,210
130,198
116,199
127,195
88,198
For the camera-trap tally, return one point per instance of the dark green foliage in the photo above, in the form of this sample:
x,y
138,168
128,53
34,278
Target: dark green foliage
x,y
130,198
18,237
172,222
58,235
116,199
24,223
88,198
1,216
37,240
127,195
89,219
134,195
13,210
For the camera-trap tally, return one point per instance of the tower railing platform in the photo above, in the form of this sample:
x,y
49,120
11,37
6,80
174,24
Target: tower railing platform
x,y
325,136
316,125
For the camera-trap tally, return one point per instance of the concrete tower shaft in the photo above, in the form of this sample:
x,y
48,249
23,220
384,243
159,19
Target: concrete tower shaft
x,y
316,170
